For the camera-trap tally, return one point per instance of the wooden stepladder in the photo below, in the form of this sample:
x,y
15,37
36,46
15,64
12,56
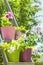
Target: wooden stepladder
x,y
14,22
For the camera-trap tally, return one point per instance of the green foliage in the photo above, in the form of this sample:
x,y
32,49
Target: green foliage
x,y
5,22
27,38
2,9
28,41
40,39
26,13
35,58
31,39
23,11
15,8
38,63
21,29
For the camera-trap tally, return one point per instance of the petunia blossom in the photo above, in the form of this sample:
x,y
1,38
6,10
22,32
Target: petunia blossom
x,y
9,15
11,49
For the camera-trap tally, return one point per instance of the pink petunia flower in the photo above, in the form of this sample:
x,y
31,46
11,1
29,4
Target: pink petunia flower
x,y
9,15
38,31
36,51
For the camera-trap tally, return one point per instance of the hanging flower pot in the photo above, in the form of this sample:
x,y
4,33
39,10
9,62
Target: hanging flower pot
x,y
8,32
25,55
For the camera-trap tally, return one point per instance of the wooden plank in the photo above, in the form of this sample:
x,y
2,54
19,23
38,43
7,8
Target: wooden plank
x,y
24,63
20,63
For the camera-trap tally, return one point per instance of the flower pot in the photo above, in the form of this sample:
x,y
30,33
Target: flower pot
x,y
25,55
14,56
8,32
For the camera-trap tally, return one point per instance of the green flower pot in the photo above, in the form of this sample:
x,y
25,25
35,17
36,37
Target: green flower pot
x,y
14,56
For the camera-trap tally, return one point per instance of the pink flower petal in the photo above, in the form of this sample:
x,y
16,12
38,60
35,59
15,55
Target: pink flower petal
x,y
9,15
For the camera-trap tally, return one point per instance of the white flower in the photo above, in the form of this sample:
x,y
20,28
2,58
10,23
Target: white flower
x,y
24,36
12,48
1,44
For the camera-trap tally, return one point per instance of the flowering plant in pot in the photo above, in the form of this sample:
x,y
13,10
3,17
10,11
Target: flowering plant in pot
x,y
12,50
27,43
7,29
19,50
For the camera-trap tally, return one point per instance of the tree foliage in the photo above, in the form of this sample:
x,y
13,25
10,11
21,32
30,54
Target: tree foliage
x,y
23,11
2,9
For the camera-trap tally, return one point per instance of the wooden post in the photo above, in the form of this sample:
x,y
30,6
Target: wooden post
x,y
14,22
4,57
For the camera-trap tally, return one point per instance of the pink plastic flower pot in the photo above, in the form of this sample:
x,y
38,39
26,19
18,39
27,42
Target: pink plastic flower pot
x,y
8,32
25,55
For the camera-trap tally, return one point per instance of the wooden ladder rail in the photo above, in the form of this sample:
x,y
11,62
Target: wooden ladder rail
x,y
4,57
